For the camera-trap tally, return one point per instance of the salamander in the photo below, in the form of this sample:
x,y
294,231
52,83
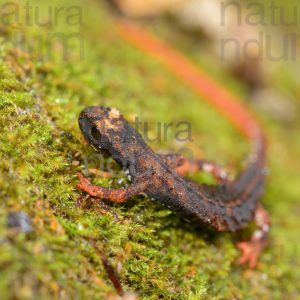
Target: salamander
x,y
229,205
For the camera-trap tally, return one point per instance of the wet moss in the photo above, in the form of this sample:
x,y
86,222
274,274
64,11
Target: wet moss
x,y
158,255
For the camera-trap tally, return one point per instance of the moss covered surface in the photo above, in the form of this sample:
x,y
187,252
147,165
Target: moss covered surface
x,y
158,255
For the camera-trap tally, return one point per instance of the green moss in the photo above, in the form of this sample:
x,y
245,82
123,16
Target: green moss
x,y
161,255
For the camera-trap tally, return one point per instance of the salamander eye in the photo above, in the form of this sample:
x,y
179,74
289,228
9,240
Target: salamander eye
x,y
95,133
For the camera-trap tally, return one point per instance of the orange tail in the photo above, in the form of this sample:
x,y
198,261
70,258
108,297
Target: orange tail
x,y
200,82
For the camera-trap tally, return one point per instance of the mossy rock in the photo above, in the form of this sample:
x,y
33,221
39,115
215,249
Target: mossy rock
x,y
157,254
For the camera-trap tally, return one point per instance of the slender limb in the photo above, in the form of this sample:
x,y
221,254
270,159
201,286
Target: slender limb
x,y
251,250
115,195
185,166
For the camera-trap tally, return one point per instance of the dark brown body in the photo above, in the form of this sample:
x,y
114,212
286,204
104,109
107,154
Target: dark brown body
x,y
228,206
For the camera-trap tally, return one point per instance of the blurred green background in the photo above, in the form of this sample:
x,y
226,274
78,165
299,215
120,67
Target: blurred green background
x,y
50,71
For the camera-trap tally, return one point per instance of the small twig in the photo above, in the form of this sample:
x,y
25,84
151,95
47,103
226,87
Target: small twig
x,y
112,274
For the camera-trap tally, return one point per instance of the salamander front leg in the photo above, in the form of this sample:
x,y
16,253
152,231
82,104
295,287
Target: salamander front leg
x,y
115,195
185,166
251,250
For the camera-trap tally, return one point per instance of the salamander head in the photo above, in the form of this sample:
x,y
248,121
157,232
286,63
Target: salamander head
x,y
100,126
107,131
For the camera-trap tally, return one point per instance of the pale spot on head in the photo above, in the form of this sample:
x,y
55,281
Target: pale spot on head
x,y
114,113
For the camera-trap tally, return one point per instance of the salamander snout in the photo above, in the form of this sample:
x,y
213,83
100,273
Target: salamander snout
x,y
87,121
